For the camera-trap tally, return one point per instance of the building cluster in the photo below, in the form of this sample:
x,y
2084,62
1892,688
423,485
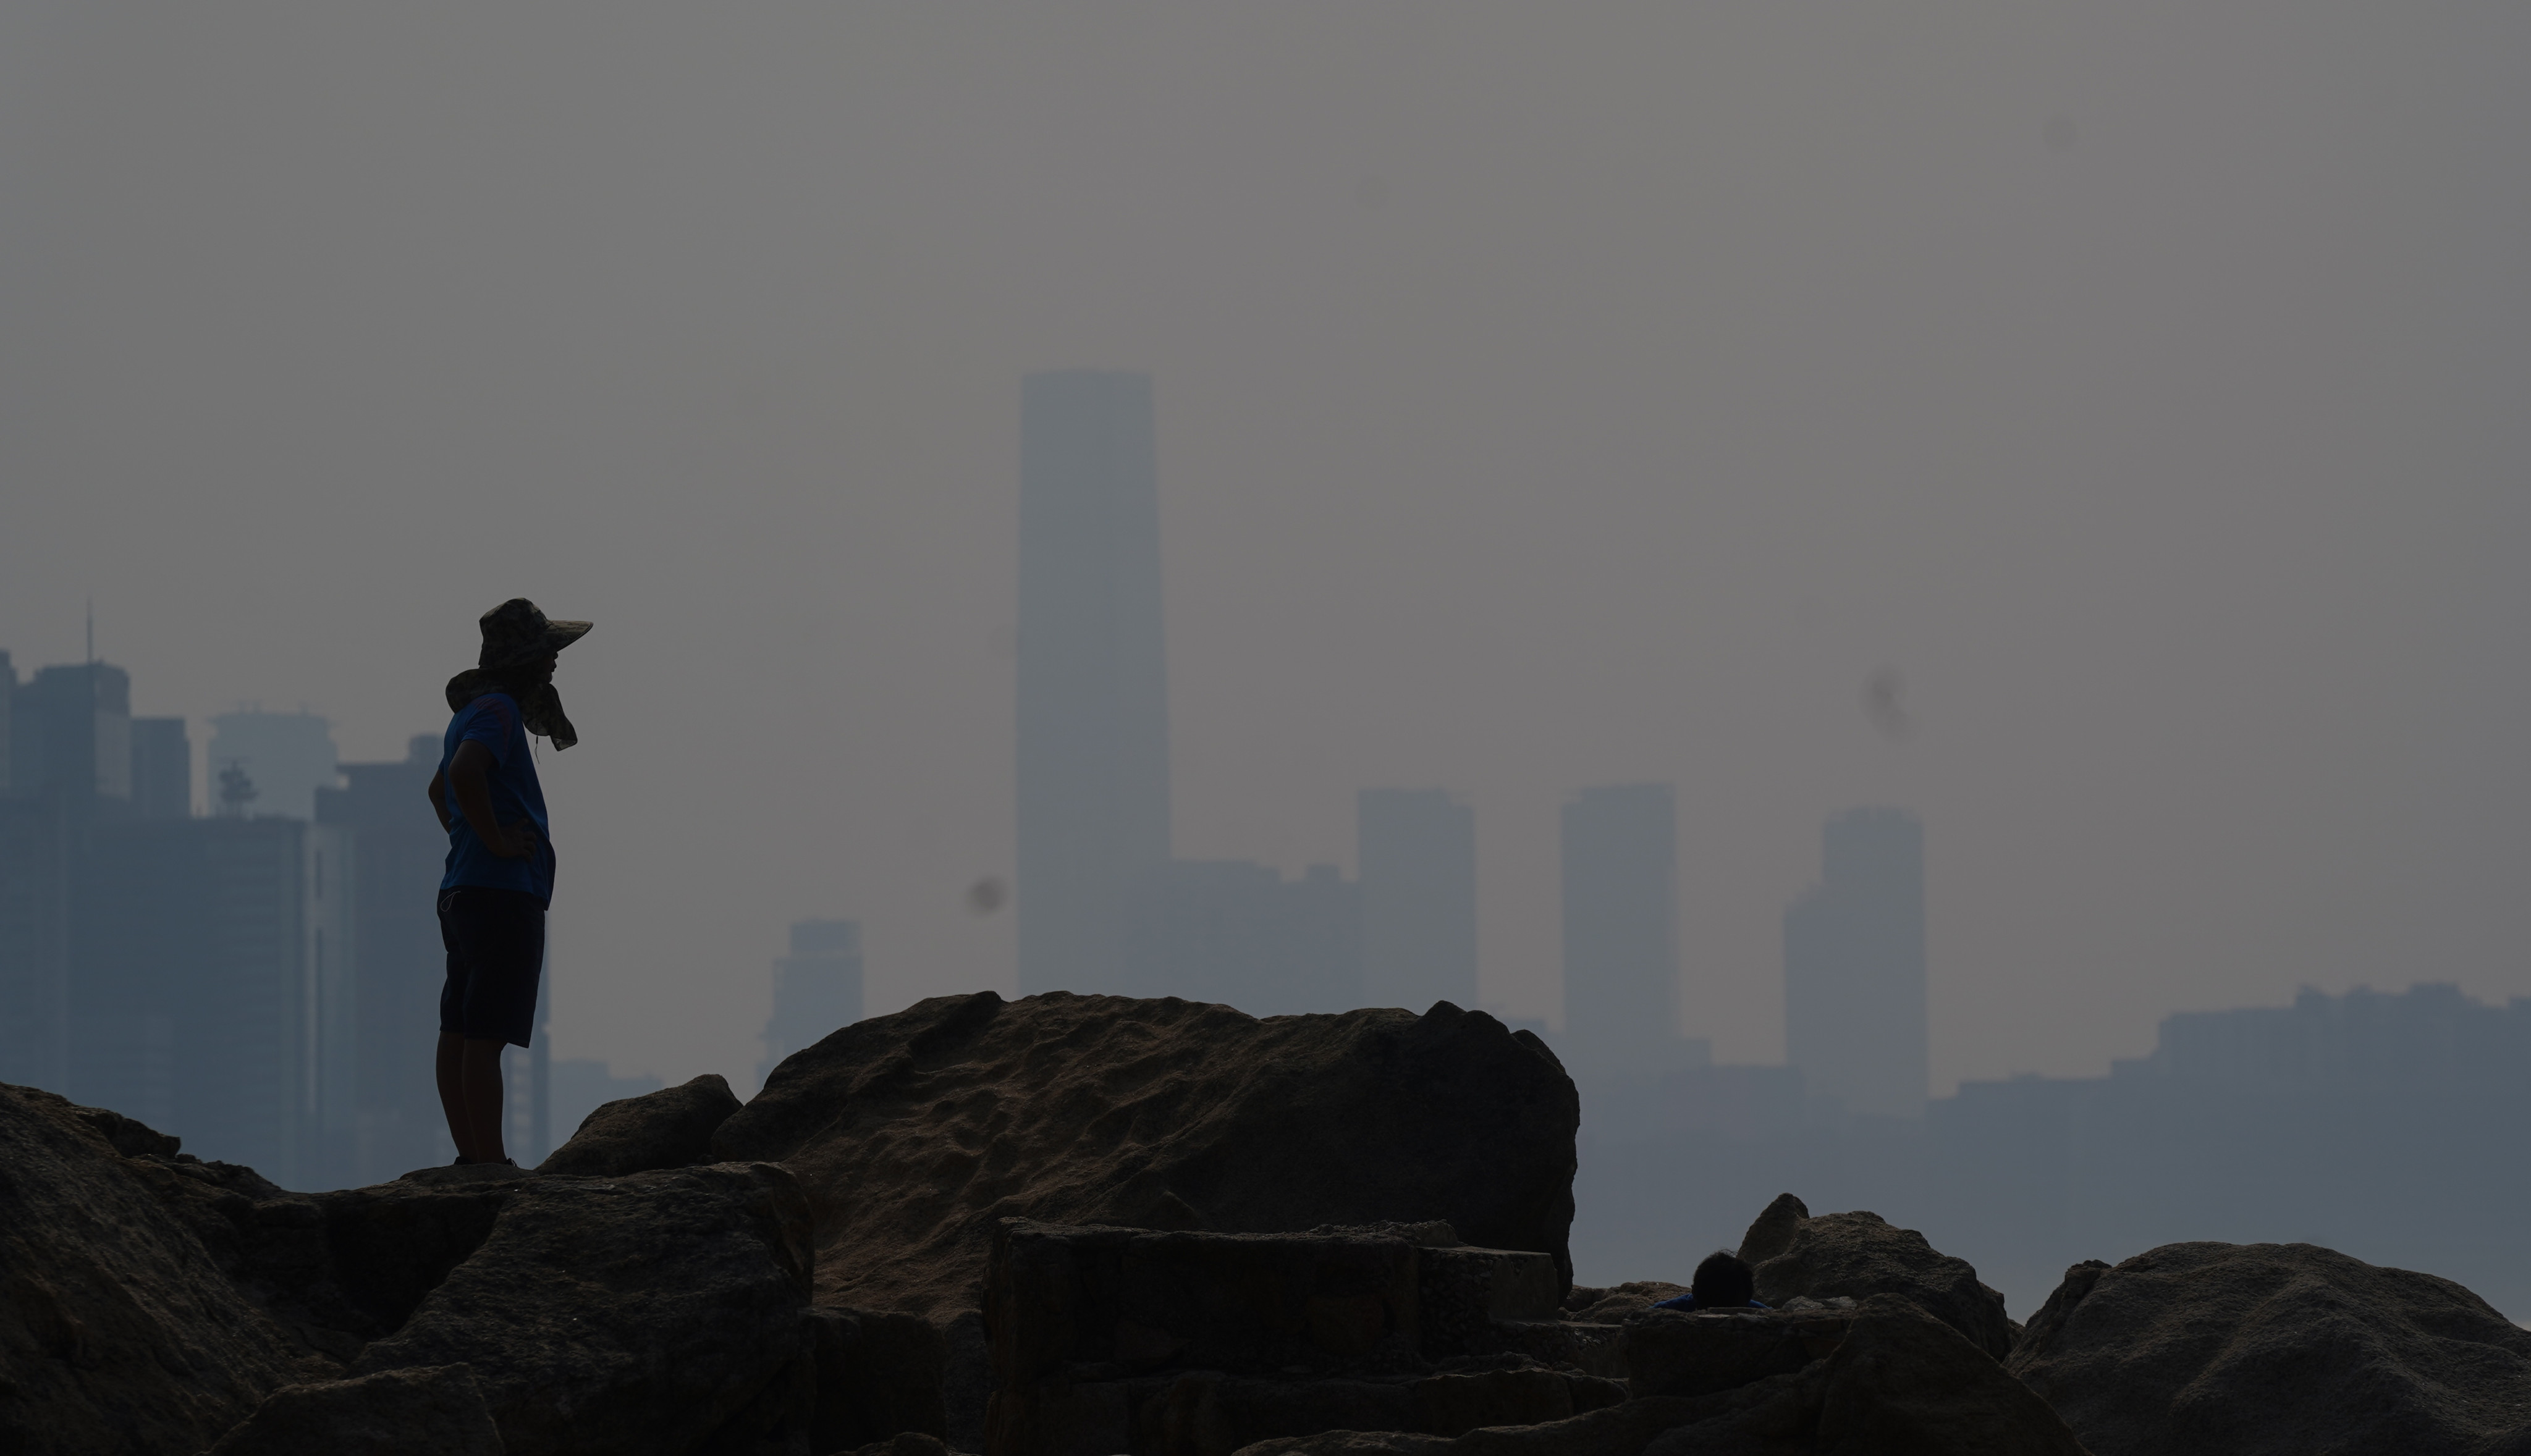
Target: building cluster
x,y
2384,1125
261,979
1104,905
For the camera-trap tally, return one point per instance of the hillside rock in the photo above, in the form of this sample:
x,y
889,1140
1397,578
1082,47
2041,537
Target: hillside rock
x,y
1858,1255
119,1330
672,1128
2252,1349
664,1311
915,1131
432,1411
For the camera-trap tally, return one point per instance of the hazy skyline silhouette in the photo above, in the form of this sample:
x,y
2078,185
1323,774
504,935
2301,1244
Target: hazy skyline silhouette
x,y
1543,398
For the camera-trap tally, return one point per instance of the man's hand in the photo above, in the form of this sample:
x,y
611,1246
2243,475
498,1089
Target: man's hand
x,y
470,774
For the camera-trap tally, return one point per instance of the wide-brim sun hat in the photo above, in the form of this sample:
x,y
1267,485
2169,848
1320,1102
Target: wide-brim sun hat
x,y
515,633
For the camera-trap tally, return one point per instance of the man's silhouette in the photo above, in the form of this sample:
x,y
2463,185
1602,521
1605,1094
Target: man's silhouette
x,y
500,862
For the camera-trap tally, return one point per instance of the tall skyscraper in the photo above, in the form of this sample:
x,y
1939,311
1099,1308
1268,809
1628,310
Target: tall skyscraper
x,y
1092,702
71,735
1854,968
817,990
214,993
1418,853
70,766
1621,854
396,851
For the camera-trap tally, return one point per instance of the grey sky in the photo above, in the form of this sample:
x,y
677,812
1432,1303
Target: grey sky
x,y
1548,395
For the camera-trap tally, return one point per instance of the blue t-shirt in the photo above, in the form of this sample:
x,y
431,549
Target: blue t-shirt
x,y
493,722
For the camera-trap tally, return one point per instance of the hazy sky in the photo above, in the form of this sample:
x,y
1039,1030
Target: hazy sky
x,y
1548,395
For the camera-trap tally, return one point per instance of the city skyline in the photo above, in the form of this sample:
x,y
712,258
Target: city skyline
x,y
2079,428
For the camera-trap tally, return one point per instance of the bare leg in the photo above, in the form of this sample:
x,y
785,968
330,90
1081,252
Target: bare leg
x,y
452,1092
483,1079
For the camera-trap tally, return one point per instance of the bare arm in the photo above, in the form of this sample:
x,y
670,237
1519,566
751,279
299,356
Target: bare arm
x,y
439,799
468,773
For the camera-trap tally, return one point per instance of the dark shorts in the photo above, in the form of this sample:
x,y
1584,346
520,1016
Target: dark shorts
x,y
496,950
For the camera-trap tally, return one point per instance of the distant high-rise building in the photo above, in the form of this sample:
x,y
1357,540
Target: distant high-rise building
x,y
1854,968
71,735
396,849
1093,701
288,757
1418,853
1620,861
162,769
1241,935
817,990
70,765
214,993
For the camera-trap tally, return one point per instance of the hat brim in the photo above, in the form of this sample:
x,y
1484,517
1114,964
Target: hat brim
x,y
560,635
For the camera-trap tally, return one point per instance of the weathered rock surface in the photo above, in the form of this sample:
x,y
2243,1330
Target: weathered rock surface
x,y
1858,1255
1772,1232
430,1411
119,1330
672,1128
1614,1304
1900,1382
2251,1348
915,1132
1117,1339
663,1312
150,1302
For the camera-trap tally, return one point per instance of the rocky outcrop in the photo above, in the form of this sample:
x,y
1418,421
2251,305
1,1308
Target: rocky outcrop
x,y
672,1128
1898,1381
1858,1255
915,1132
152,1303
663,1312
2252,1349
432,1411
119,1330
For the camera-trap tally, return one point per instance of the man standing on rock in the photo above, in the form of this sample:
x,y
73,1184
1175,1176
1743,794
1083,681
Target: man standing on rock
x,y
500,862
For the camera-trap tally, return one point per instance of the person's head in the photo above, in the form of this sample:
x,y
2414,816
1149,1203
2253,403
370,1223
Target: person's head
x,y
1723,1283
521,646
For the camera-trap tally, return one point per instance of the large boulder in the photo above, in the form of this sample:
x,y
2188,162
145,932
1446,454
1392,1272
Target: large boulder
x,y
2252,1349
150,1302
664,1311
119,1330
672,1128
1859,1255
915,1132
430,1411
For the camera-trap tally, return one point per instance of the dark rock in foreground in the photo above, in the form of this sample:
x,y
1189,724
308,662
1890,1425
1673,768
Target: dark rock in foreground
x,y
432,1411
1127,1340
2254,1349
149,1303
915,1132
672,1128
1898,1383
662,1311
119,1329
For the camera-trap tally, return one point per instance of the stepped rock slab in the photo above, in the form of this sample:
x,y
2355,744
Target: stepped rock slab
x,y
915,1131
672,1128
